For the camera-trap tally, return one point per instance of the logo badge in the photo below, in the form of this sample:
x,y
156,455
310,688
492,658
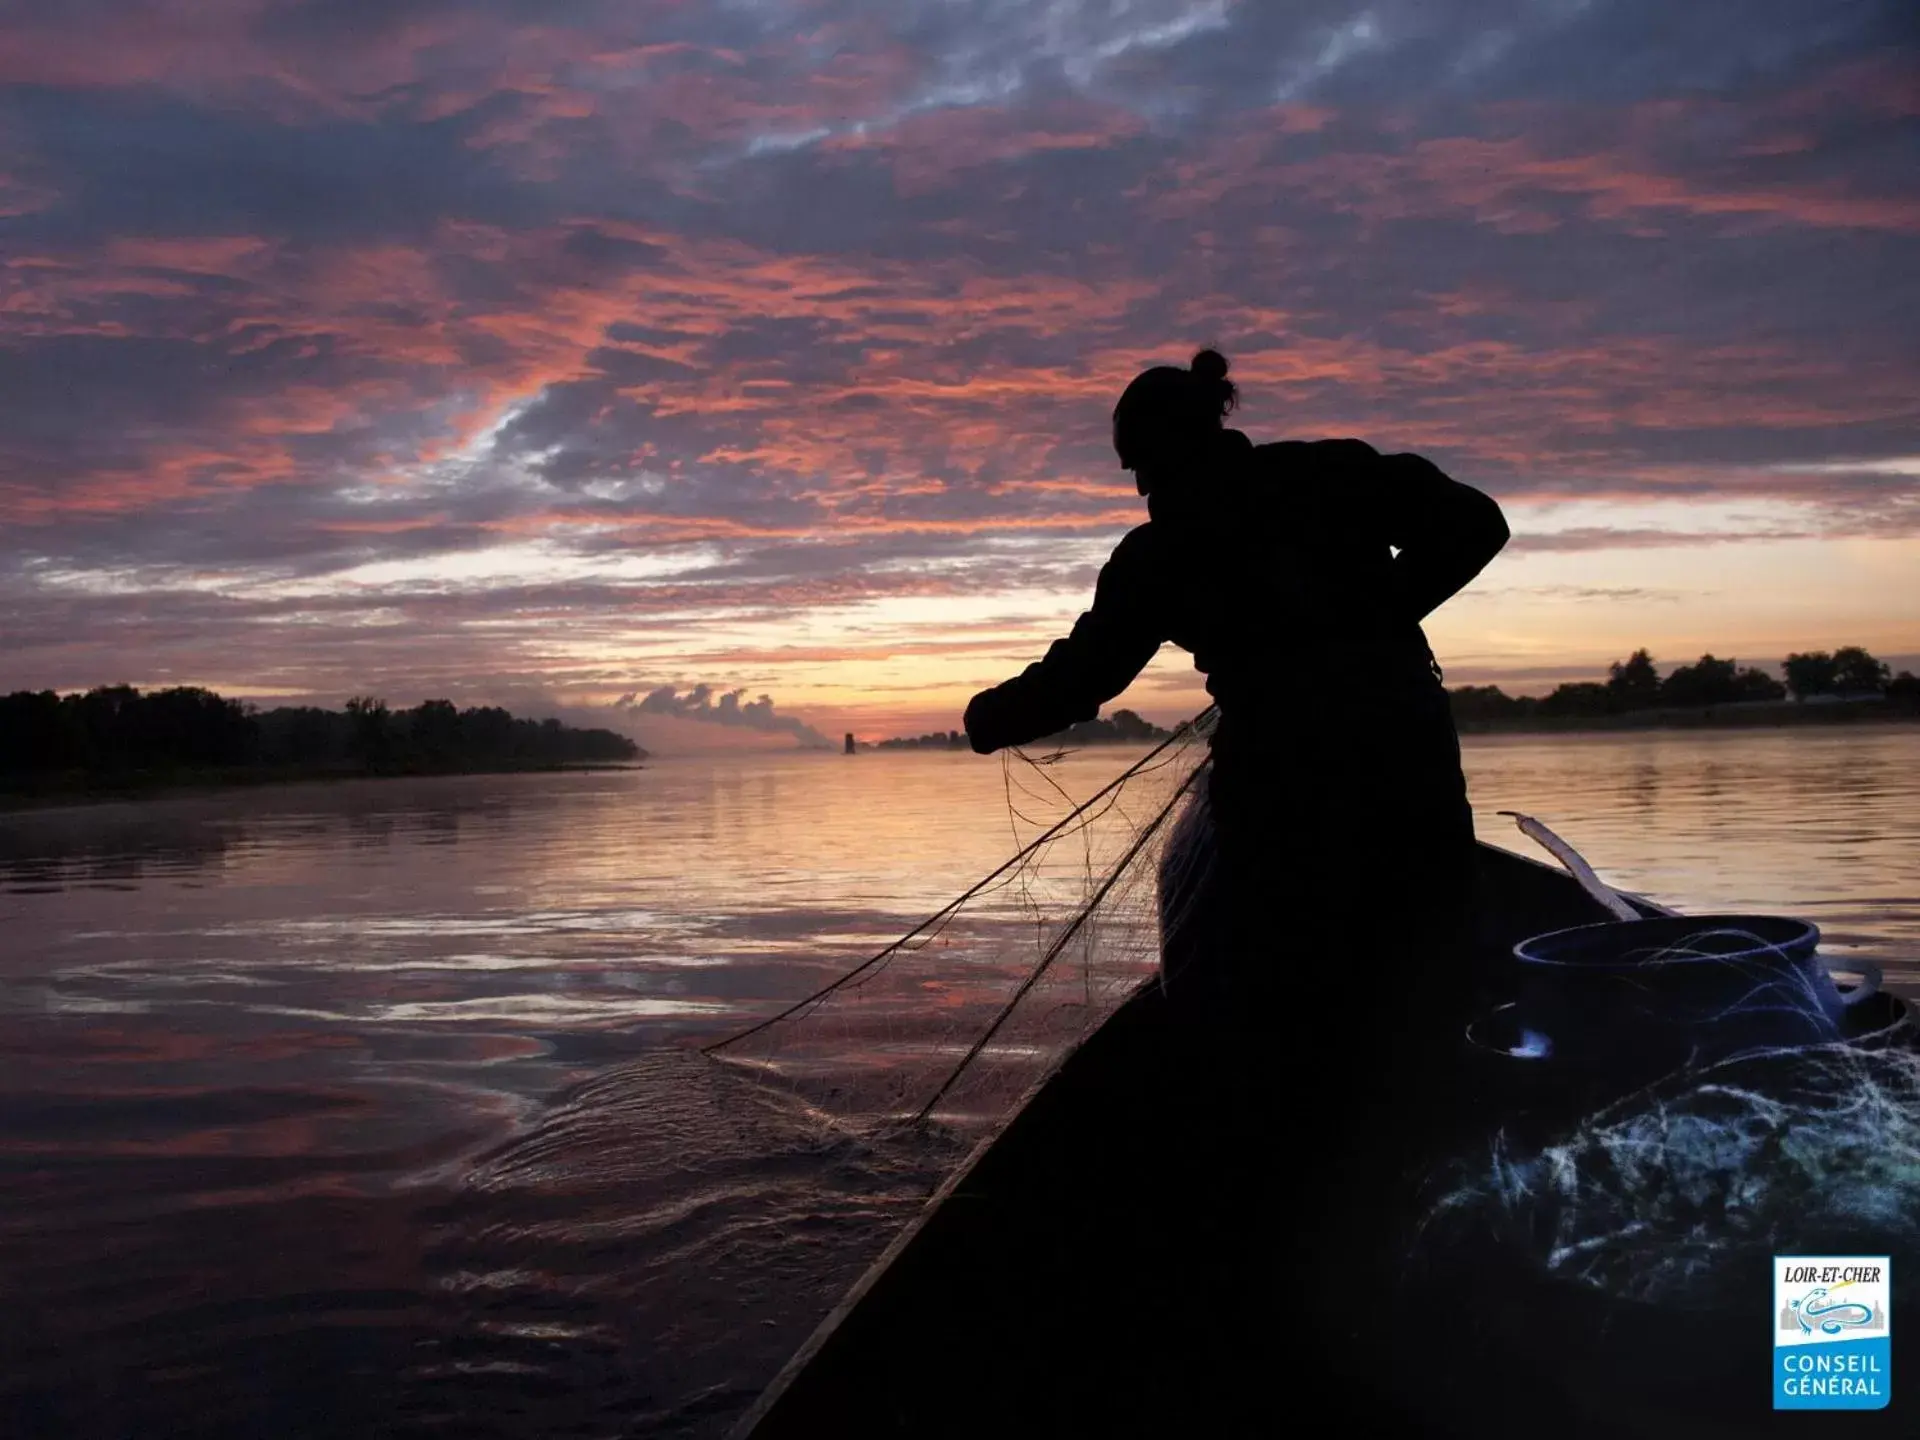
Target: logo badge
x,y
1831,1344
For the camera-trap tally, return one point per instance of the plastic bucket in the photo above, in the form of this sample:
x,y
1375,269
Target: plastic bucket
x,y
1604,1008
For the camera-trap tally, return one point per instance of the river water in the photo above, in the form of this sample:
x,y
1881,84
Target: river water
x,y
368,1108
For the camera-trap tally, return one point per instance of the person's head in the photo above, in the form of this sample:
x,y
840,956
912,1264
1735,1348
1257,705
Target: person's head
x,y
1168,417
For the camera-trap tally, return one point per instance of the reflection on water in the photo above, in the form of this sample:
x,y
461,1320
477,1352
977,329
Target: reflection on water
x,y
351,1109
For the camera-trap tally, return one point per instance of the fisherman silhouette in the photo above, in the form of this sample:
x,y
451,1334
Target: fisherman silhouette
x,y
1297,574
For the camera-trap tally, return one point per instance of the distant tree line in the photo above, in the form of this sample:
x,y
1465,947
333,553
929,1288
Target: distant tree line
x,y
1635,684
932,740
116,730
1121,728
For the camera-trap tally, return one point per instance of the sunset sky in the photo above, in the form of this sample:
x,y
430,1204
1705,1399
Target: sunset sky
x,y
545,353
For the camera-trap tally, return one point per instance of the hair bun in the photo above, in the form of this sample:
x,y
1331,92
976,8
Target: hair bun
x,y
1210,365
1219,394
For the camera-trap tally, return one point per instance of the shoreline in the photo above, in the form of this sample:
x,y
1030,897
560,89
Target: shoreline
x,y
1711,717
71,790
1765,715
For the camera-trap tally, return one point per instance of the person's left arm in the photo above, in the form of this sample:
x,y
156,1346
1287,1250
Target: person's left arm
x,y
1108,645
1446,531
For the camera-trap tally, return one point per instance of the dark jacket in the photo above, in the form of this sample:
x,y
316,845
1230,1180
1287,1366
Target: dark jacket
x,y
1282,579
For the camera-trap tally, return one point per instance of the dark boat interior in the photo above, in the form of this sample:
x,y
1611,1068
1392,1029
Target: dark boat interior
x,y
1138,1253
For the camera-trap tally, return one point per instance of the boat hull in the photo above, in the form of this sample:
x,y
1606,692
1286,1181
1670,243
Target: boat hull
x,y
1121,1259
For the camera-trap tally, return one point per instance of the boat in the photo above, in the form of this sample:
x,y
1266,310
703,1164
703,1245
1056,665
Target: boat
x,y
1082,1274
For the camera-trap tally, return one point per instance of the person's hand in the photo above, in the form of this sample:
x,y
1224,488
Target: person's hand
x,y
978,724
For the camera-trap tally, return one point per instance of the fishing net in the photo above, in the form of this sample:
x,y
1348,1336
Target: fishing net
x,y
1678,1193
952,1023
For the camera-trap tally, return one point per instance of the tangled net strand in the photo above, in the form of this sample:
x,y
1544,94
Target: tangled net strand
x,y
1665,1196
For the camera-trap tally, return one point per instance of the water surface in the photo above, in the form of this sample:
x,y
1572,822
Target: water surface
x,y
365,1108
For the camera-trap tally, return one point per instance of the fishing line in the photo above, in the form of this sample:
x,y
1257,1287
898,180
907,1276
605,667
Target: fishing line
x,y
946,912
1059,944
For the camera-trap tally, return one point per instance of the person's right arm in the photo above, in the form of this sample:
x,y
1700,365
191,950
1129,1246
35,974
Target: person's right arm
x,y
1108,645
